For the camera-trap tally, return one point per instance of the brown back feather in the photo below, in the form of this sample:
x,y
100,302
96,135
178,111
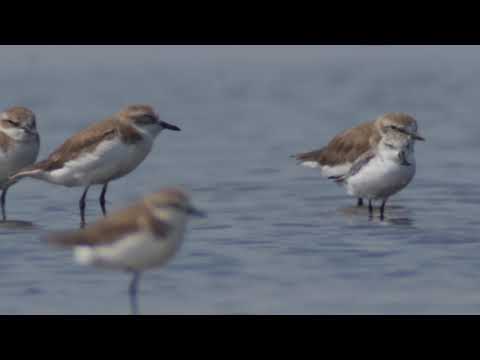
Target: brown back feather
x,y
345,147
111,228
87,140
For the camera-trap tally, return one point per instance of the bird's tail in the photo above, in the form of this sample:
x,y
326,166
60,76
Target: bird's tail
x,y
339,179
299,157
75,239
308,159
65,238
29,171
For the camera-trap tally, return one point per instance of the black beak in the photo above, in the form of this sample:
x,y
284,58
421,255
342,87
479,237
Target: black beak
x,y
168,126
415,136
195,212
418,137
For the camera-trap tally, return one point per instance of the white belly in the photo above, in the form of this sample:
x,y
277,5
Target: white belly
x,y
19,156
110,160
380,179
135,252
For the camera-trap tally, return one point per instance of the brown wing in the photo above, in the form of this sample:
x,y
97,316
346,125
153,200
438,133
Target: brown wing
x,y
112,228
85,140
361,161
345,147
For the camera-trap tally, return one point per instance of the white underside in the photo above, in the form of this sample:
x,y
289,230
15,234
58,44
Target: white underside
x,y
380,179
19,156
110,160
137,251
327,171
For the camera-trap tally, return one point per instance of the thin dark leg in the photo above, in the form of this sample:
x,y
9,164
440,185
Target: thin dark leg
x,y
370,208
82,207
132,291
102,199
2,201
382,209
360,202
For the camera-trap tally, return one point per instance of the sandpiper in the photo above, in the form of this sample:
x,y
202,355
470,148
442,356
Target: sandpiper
x,y
143,236
100,153
19,145
383,170
336,159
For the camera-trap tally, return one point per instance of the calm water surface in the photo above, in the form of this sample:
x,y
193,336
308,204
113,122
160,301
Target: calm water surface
x,y
278,239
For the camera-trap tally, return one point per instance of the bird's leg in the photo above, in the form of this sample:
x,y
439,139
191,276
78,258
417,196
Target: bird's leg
x,y
370,208
82,207
360,202
2,201
382,209
132,291
102,199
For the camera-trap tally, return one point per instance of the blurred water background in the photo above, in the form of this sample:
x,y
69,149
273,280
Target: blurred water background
x,y
279,239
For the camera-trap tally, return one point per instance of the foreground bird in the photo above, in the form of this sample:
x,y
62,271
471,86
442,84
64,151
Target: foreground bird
x,y
142,236
19,145
347,152
100,153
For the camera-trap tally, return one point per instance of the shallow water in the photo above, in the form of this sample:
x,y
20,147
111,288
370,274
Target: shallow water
x,y
278,238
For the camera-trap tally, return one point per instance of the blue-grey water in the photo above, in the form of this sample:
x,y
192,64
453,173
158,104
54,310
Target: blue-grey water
x,y
278,239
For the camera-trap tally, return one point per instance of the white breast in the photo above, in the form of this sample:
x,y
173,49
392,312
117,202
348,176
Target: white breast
x,y
20,155
380,179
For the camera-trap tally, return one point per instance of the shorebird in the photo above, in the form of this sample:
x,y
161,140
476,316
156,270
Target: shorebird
x,y
337,158
102,152
142,236
383,170
19,145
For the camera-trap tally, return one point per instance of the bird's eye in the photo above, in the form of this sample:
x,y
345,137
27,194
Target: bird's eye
x,y
390,146
400,130
13,123
146,119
